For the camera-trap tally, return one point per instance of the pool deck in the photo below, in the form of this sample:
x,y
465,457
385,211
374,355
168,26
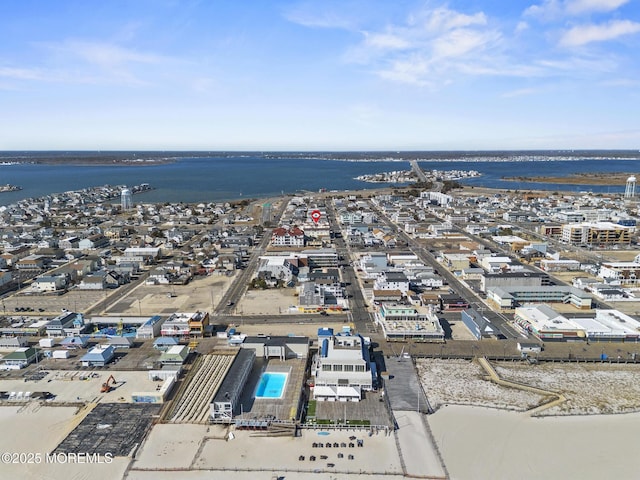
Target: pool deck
x,y
283,408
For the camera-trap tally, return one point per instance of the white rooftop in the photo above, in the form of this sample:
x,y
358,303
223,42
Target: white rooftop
x,y
618,320
175,350
507,239
542,317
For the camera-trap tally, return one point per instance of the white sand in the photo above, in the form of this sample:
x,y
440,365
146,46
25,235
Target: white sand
x,y
171,446
479,443
418,453
38,430
206,448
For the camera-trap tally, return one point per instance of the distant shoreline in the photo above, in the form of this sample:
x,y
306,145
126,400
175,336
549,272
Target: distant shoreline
x,y
578,179
162,157
101,161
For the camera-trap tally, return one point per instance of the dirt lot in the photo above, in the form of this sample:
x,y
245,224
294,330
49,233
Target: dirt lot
x,y
268,302
202,293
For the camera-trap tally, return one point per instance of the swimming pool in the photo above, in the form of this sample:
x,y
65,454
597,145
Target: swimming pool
x,y
271,385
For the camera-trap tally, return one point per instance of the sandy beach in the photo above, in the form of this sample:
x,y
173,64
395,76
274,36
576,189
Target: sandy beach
x,y
210,449
481,443
35,431
475,441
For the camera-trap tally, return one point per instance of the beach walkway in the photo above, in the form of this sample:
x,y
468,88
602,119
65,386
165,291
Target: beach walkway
x,y
557,398
416,446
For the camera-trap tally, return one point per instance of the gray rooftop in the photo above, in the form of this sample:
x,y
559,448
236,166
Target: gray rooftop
x,y
234,375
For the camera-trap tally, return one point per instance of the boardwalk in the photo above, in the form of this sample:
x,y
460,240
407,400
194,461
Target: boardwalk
x,y
558,398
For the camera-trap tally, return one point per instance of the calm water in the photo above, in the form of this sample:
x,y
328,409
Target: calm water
x,y
245,176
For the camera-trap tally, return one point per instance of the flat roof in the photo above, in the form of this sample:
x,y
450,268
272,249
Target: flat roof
x,y
619,321
557,289
277,340
543,318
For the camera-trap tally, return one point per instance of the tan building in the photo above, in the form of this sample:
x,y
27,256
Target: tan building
x,y
597,234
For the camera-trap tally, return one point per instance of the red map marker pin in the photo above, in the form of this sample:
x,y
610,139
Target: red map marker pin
x,y
315,216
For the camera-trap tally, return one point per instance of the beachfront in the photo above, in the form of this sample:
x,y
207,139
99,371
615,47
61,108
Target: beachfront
x,y
475,442
487,444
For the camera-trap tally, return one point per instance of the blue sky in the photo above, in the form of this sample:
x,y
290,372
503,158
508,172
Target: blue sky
x,y
319,75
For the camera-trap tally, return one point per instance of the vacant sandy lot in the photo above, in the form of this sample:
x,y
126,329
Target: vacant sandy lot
x,y
202,293
275,301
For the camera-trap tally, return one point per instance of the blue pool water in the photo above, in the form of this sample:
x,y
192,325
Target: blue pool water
x,y
271,385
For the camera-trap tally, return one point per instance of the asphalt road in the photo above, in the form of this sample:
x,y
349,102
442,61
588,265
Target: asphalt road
x,y
359,314
497,319
235,291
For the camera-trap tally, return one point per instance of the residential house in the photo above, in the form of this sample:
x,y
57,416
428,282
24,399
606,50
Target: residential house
x,y
93,242
20,358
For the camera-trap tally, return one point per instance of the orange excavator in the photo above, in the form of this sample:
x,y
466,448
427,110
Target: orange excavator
x,y
106,386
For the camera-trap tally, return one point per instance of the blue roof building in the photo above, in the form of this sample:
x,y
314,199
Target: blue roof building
x,y
98,356
164,343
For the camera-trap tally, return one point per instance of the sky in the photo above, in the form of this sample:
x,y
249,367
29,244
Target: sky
x,y
319,75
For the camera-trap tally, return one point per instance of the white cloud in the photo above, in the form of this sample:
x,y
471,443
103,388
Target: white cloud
x,y
584,34
413,70
520,93
105,54
79,61
386,41
427,48
459,42
554,9
547,10
443,19
581,65
329,15
437,45
578,7
21,73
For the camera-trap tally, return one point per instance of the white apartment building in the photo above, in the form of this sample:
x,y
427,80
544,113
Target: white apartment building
x,y
283,237
622,273
342,368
